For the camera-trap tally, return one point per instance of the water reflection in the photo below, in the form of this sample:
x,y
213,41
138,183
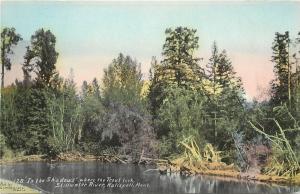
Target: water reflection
x,y
210,184
173,183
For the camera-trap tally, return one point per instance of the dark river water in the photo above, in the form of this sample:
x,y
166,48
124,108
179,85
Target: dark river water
x,y
95,177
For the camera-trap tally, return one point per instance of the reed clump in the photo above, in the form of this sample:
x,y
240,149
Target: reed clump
x,y
194,160
208,161
283,162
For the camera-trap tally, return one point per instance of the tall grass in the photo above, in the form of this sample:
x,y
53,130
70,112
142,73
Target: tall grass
x,y
284,161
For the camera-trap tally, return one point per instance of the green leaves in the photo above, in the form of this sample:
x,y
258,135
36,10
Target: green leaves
x,y
181,114
178,56
41,57
122,82
185,101
9,38
179,66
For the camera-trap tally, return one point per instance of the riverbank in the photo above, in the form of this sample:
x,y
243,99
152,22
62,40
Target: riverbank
x,y
64,157
221,169
10,187
164,166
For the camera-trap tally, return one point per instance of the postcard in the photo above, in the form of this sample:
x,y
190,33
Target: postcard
x,y
150,97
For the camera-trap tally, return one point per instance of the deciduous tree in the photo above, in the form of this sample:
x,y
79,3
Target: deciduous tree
x,y
9,38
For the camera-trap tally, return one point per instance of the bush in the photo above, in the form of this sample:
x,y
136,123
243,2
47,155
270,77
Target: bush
x,y
180,115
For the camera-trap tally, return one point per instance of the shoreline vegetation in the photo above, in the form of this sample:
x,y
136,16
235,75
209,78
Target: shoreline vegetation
x,y
164,166
188,117
193,161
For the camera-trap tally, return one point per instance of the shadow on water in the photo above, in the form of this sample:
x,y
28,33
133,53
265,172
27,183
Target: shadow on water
x,y
77,178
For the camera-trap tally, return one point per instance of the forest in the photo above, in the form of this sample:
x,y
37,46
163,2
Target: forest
x,y
183,105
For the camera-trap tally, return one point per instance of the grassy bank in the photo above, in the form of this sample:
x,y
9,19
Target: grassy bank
x,y
9,187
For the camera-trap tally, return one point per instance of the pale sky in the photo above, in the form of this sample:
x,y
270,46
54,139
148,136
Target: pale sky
x,y
90,34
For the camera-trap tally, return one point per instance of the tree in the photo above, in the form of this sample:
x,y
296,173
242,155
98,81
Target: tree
x,y
226,103
84,89
64,117
180,64
122,82
213,87
32,101
178,67
32,119
96,88
126,122
281,85
92,89
182,114
157,84
9,38
41,57
93,113
9,117
285,86
221,73
295,78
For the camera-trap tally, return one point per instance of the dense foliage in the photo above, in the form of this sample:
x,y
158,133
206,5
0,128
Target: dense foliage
x,y
47,114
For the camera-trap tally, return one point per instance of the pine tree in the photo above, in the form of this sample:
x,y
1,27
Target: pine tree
x,y
96,88
84,89
179,66
222,76
295,78
213,87
179,63
281,85
226,101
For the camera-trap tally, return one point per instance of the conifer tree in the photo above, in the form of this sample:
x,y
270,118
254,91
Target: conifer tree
x,y
179,63
179,66
40,58
226,101
281,85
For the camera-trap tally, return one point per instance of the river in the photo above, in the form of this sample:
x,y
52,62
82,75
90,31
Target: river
x,y
96,177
